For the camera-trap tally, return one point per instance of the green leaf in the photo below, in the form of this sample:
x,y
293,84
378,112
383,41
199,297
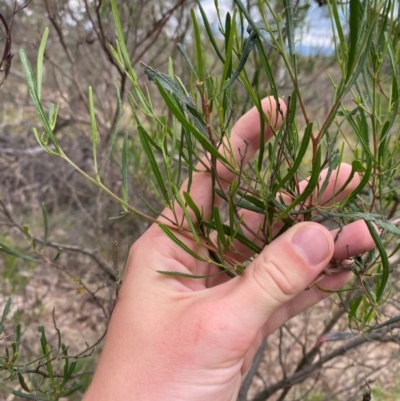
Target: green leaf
x,y
144,140
384,260
114,131
209,31
199,47
388,322
235,234
95,135
308,190
183,120
364,181
371,294
267,68
6,311
354,25
36,100
219,227
245,204
17,253
302,151
249,46
71,390
59,345
249,19
334,162
125,170
23,383
188,275
68,371
46,224
28,396
188,219
290,31
354,305
165,81
46,352
192,206
121,42
39,64
187,59
178,242
229,41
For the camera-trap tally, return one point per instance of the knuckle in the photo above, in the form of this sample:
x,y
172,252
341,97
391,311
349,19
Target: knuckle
x,y
273,276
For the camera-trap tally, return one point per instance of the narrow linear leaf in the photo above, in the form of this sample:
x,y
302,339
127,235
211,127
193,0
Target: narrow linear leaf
x,y
192,206
28,396
364,181
312,184
250,45
354,24
73,389
249,19
187,59
302,151
165,81
39,64
30,79
245,204
189,221
199,48
267,69
17,253
219,227
333,164
371,295
125,170
384,260
229,42
23,383
388,322
209,31
144,140
93,125
46,224
114,131
290,31
337,24
121,42
68,372
188,275
6,311
183,120
178,242
235,234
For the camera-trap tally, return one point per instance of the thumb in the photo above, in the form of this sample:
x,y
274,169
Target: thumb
x,y
280,272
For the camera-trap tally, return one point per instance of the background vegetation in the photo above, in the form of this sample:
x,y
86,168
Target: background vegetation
x,y
64,239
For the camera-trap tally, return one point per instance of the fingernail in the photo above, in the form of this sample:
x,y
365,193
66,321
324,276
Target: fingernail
x,y
312,244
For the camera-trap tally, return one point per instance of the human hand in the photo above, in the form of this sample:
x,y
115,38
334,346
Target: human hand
x,y
175,338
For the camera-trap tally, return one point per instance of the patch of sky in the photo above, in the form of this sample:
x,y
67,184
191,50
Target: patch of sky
x,y
314,37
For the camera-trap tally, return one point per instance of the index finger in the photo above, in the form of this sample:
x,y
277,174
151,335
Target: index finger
x,y
238,150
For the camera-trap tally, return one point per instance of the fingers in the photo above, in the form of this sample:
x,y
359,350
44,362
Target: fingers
x,y
253,221
305,300
242,145
272,289
353,240
280,273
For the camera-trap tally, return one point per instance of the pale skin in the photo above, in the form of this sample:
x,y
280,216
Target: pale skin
x,y
176,339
